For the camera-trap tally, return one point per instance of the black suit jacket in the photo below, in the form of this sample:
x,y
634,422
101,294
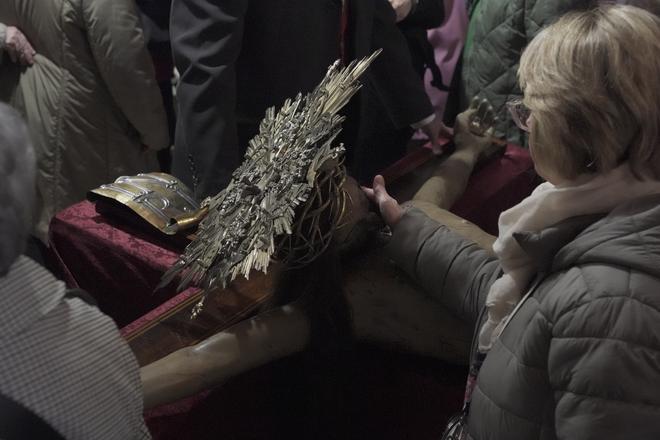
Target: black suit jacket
x,y
155,16
393,77
287,48
206,41
237,58
393,97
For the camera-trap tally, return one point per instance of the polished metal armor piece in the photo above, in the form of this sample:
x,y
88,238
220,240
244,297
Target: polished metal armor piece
x,y
159,198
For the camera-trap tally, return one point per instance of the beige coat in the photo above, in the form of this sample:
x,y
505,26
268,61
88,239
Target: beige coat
x,y
91,101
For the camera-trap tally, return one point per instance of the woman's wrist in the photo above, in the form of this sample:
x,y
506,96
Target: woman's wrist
x,y
401,212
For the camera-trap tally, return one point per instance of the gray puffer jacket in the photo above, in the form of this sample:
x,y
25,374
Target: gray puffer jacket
x,y
581,357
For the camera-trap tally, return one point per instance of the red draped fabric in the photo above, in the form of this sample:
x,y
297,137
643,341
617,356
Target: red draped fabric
x,y
117,263
495,187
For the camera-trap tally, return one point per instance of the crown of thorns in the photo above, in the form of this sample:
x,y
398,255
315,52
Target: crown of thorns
x,y
285,200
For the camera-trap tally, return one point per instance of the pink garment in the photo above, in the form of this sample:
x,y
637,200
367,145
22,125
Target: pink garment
x,y
447,41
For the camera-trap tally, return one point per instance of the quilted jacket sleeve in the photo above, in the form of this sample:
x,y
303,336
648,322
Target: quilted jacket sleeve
x,y
604,358
450,268
116,40
541,13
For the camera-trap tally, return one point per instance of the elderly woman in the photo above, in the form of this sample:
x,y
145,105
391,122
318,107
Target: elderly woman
x,y
567,337
65,372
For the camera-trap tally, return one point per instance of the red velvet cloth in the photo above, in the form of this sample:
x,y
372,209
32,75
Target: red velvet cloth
x,y
118,264
496,186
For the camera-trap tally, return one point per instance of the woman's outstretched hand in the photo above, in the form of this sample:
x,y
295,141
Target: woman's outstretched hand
x,y
389,208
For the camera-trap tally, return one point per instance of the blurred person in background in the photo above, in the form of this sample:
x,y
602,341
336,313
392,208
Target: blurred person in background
x,y
87,89
447,42
498,32
237,58
393,102
155,17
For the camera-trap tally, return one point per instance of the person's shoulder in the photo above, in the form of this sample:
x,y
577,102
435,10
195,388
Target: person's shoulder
x,y
603,301
29,292
609,265
68,363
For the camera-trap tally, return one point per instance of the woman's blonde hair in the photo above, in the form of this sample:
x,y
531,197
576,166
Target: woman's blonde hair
x,y
592,83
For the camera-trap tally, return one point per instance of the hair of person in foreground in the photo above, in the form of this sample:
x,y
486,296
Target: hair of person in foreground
x,y
592,84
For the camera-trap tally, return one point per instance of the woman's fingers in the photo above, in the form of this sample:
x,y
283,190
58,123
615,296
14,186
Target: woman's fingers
x,y
488,119
474,104
389,208
377,187
369,192
482,109
379,183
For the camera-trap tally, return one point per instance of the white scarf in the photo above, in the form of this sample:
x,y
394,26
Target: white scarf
x,y
546,206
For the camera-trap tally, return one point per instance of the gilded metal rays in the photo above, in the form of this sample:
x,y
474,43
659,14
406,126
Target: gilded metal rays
x,y
292,161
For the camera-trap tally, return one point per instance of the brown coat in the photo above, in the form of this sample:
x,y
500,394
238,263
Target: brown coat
x,y
90,99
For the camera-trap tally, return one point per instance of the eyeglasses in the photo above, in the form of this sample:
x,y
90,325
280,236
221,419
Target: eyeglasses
x,y
519,113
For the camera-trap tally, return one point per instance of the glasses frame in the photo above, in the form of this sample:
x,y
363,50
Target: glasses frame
x,y
520,114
